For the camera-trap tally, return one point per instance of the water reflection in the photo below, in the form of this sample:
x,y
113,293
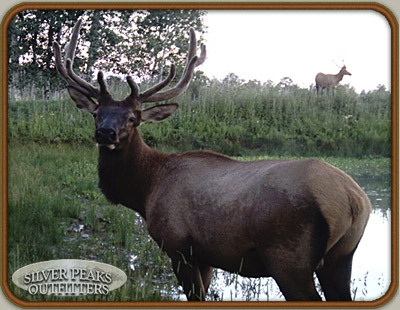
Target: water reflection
x,y
371,264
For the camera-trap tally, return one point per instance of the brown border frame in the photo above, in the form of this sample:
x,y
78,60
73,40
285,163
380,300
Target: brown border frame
x,y
206,6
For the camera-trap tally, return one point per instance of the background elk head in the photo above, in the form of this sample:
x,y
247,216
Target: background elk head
x,y
116,120
344,71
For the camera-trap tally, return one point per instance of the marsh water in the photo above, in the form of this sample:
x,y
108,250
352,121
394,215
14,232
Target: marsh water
x,y
371,274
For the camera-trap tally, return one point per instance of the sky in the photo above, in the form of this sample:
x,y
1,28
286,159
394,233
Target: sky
x,y
270,45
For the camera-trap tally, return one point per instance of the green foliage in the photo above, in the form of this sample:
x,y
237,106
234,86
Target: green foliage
x,y
162,37
118,42
235,118
48,122
31,34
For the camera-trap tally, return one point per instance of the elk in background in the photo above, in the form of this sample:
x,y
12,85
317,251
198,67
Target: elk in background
x,y
284,219
330,80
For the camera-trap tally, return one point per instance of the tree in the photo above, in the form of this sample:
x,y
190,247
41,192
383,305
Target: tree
x,y
285,82
140,43
232,80
163,36
30,37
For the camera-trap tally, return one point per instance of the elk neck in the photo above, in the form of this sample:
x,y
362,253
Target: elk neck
x,y
126,175
339,76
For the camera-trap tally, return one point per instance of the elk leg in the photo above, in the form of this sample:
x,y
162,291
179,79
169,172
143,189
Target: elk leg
x,y
189,276
335,276
206,275
297,285
295,280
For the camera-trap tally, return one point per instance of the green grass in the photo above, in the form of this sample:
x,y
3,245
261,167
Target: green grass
x,y
56,211
236,119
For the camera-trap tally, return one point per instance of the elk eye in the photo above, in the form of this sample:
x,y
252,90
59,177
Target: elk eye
x,y
94,114
131,119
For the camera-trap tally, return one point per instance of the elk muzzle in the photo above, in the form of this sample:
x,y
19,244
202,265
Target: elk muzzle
x,y
106,137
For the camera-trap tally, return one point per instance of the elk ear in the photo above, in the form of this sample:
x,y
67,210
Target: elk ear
x,y
159,112
82,102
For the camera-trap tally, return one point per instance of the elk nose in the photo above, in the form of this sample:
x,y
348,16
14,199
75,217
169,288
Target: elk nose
x,y
105,135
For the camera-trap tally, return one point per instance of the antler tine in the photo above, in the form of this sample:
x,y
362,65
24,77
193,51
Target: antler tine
x,y
73,42
72,83
203,54
65,68
102,83
59,64
90,89
134,88
178,89
192,62
192,48
156,88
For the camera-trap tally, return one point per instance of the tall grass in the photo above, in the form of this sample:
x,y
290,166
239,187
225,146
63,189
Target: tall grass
x,y
236,119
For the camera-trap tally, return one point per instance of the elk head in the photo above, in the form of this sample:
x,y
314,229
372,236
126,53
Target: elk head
x,y
116,120
344,71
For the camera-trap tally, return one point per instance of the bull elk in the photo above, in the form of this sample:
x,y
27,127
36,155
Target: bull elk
x,y
330,80
284,219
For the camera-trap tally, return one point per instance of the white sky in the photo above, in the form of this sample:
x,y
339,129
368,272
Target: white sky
x,y
270,45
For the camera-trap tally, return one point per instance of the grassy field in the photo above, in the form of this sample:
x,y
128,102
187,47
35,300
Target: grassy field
x,y
55,209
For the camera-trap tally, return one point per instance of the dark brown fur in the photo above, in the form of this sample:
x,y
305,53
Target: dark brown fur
x,y
279,218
